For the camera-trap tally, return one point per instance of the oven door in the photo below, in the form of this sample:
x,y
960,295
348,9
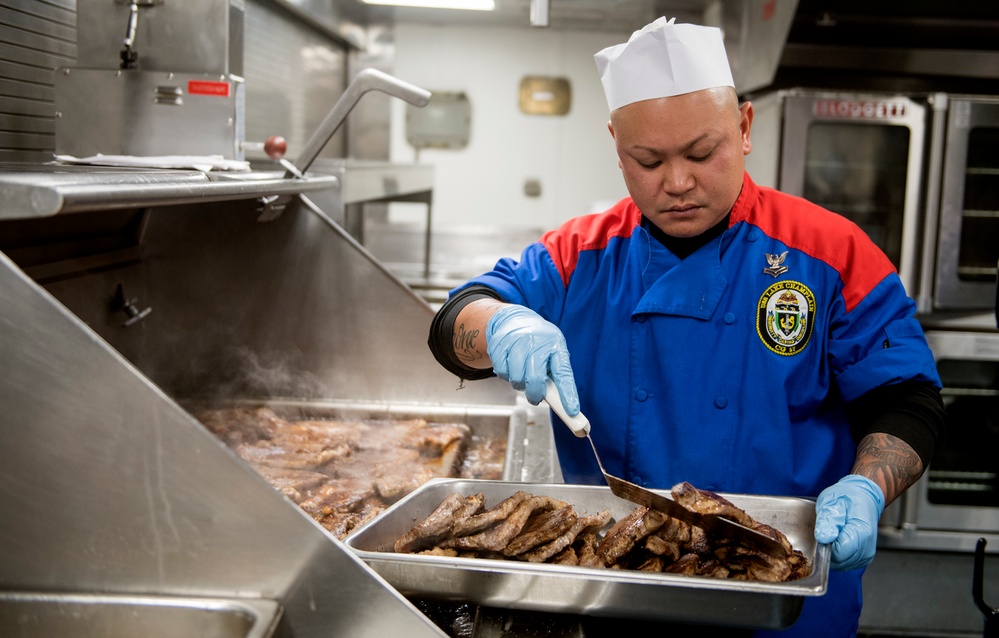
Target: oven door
x,y
862,157
968,247
957,499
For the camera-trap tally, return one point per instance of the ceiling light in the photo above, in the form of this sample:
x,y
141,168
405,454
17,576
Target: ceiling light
x,y
471,5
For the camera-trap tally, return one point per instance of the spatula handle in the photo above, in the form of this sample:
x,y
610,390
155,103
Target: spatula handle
x,y
579,424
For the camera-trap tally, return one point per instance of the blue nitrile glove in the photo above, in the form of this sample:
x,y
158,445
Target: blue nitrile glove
x,y
526,350
846,515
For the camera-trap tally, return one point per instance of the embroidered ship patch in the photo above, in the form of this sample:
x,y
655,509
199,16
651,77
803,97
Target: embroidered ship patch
x,y
784,317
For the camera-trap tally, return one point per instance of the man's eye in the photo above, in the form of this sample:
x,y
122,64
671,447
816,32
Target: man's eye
x,y
650,165
700,158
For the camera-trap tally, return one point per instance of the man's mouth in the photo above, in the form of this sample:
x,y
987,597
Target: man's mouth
x,y
683,208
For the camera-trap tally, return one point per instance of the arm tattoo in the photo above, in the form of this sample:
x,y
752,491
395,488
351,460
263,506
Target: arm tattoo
x,y
888,460
465,344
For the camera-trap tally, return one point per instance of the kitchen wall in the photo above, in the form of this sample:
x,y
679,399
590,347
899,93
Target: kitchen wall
x,y
571,156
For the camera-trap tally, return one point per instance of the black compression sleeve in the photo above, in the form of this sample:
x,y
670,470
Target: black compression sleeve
x,y
912,411
441,339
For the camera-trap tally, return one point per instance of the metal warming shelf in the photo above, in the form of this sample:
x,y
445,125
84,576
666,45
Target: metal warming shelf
x,y
40,615
597,592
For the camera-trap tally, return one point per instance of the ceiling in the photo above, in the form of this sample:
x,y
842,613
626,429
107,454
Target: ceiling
x,y
956,24
568,15
950,45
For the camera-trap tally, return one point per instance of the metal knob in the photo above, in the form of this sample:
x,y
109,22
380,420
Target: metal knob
x,y
132,312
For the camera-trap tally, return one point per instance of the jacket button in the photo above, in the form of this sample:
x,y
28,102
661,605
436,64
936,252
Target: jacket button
x,y
729,318
641,395
721,403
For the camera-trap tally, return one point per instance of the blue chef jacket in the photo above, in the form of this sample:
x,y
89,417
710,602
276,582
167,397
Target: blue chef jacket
x,y
728,369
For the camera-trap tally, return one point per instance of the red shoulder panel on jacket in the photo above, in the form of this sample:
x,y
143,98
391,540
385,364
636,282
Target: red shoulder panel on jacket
x,y
818,232
589,232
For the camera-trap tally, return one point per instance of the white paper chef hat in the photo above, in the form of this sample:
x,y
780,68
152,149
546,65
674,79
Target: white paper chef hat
x,y
661,60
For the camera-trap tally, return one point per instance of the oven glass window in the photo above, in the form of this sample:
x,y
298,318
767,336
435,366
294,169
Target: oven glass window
x,y
859,171
965,469
979,249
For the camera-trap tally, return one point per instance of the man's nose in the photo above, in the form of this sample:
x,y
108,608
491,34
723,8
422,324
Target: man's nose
x,y
676,179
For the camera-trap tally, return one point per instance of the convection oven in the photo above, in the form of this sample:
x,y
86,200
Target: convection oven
x,y
917,172
860,155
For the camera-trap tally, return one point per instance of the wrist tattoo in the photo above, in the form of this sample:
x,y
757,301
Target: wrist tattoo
x,y
464,344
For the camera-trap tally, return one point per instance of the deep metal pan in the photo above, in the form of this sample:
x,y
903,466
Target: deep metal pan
x,y
580,590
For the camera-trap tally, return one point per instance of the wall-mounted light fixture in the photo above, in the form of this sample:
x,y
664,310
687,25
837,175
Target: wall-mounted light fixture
x,y
469,5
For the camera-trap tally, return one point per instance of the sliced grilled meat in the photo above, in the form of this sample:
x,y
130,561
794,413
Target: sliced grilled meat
x,y
497,537
651,564
295,484
657,545
542,528
566,557
542,553
687,565
629,530
491,516
706,502
433,528
338,495
586,550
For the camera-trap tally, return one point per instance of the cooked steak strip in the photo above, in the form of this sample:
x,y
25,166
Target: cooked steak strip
x,y
473,505
687,565
499,536
241,425
432,439
625,533
295,484
651,564
586,550
290,454
746,564
542,528
675,530
712,568
659,546
566,557
393,486
338,495
775,534
543,552
699,542
433,528
437,551
491,516
706,502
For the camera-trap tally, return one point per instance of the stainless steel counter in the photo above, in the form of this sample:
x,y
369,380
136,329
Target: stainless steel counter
x,y
43,190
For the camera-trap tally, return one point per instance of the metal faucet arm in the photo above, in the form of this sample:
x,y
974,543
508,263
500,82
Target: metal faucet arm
x,y
366,80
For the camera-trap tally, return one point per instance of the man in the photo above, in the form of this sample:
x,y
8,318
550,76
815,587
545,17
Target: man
x,y
721,333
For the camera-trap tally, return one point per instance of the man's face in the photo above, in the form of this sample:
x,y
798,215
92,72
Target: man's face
x,y
683,157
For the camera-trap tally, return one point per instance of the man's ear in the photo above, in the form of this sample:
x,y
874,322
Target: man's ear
x,y
745,124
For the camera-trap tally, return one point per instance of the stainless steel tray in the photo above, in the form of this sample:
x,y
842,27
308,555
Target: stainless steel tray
x,y
589,591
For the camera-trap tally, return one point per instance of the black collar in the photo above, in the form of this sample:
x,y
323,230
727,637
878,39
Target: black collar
x,y
685,246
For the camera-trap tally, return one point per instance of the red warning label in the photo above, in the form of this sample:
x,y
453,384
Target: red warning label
x,y
204,87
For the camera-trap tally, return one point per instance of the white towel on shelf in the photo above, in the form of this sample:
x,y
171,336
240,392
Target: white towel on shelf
x,y
197,162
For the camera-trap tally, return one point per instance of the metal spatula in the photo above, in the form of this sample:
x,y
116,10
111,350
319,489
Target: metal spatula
x,y
716,526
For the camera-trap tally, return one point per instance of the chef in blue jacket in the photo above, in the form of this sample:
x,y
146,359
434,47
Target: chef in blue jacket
x,y
720,332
